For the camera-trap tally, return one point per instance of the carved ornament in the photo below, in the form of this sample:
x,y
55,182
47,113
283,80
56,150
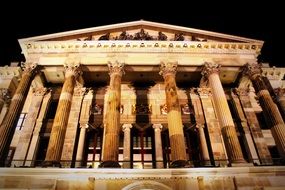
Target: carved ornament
x,y
5,94
72,67
167,68
204,91
210,68
252,69
116,68
41,91
29,67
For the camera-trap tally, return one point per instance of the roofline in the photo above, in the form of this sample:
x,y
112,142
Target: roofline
x,y
139,22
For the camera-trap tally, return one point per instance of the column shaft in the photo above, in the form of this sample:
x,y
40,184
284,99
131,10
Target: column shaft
x,y
127,145
80,147
158,145
203,145
112,118
224,115
7,127
175,126
61,117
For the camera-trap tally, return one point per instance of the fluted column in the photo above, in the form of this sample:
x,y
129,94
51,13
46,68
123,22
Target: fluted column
x,y
127,145
7,127
56,140
203,145
112,118
158,145
274,118
280,95
211,71
175,127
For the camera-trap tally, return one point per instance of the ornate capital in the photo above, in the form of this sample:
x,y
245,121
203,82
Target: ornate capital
x,y
5,94
157,127
210,68
79,91
204,91
72,67
252,69
168,68
116,68
280,92
241,91
127,127
29,67
41,91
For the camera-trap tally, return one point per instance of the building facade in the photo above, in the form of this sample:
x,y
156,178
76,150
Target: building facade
x,y
182,108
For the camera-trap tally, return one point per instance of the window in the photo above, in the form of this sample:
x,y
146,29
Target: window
x,y
21,121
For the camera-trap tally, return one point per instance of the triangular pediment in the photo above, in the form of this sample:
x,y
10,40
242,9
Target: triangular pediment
x,y
140,30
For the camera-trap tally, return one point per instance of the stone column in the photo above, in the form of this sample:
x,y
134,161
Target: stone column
x,y
280,96
158,145
7,127
127,145
211,71
110,148
84,120
80,146
61,117
203,145
28,128
270,109
175,127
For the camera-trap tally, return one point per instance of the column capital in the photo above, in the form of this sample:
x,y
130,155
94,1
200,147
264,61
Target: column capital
x,y
168,68
252,69
204,91
5,94
78,91
116,67
127,127
280,92
210,68
41,91
241,91
29,66
157,127
72,67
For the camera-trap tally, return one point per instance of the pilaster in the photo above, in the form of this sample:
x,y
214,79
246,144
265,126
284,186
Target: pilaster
x,y
127,145
158,145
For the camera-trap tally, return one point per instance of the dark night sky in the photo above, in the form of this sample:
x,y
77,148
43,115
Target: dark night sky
x,y
250,22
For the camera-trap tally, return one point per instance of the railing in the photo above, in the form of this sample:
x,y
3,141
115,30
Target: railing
x,y
138,164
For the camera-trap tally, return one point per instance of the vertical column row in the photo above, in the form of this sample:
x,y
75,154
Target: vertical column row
x,y
7,127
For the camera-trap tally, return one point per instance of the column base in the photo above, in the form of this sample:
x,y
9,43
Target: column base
x,y
180,164
52,164
109,164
